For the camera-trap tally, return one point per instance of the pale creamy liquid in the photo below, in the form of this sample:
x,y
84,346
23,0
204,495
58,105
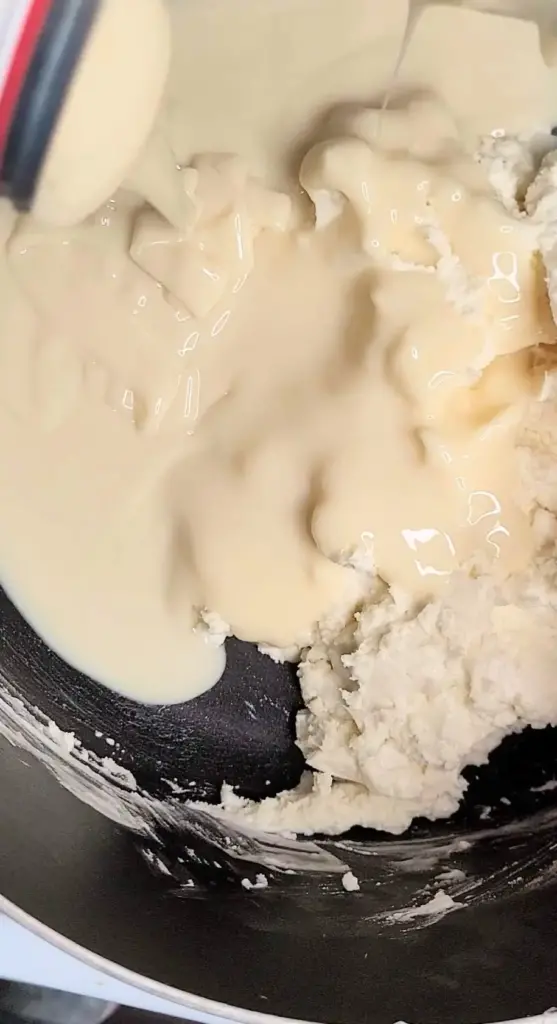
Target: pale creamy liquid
x,y
221,416
265,77
542,13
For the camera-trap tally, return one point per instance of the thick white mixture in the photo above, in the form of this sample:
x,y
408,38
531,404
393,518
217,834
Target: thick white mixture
x,y
407,694
270,406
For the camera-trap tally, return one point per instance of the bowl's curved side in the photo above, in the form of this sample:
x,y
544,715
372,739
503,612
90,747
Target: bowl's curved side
x,y
316,954
457,923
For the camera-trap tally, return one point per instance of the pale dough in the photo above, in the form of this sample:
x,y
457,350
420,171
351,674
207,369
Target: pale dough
x,y
405,695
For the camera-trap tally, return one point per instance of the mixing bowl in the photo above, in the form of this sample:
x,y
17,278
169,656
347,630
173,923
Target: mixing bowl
x,y
452,921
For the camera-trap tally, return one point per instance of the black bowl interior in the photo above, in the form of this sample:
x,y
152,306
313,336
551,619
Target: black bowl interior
x,y
303,948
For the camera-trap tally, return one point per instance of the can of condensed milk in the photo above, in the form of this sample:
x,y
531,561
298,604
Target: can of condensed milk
x,y
41,43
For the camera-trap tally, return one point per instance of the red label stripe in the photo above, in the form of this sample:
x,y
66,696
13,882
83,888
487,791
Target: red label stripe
x,y
21,62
